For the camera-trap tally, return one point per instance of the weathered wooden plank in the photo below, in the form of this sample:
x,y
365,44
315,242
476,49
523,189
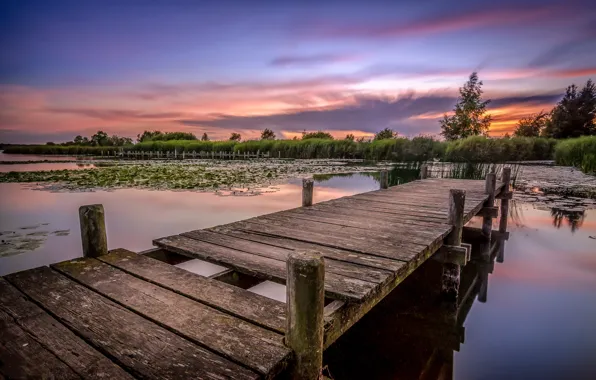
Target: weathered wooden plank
x,y
277,253
23,357
255,347
337,287
364,224
400,234
135,343
241,303
56,338
489,212
363,244
405,217
327,252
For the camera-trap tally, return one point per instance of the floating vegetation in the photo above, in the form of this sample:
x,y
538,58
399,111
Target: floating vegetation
x,y
199,175
20,241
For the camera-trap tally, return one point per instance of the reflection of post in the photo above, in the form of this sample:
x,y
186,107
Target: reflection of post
x,y
451,272
483,269
307,192
306,301
384,179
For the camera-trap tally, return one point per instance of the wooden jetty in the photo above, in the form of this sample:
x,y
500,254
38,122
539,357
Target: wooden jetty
x,y
120,314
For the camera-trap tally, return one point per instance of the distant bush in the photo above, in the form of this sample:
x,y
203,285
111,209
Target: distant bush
x,y
484,149
579,152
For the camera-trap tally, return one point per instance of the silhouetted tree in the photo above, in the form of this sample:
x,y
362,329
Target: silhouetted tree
x,y
235,136
532,125
317,135
575,114
469,117
267,134
385,134
205,137
350,137
100,139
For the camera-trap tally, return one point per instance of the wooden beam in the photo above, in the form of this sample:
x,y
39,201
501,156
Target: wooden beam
x,y
449,254
488,212
450,277
384,179
505,195
93,230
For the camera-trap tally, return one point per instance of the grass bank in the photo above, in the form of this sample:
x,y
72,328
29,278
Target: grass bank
x,y
473,149
579,152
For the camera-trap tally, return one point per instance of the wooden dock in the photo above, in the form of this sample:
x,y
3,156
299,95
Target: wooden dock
x,y
120,314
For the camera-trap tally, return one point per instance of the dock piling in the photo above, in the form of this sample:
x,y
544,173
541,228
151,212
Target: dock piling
x,y
451,272
384,179
489,188
423,171
307,192
93,230
305,305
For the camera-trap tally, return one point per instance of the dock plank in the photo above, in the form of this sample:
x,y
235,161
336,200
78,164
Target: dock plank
x,y
145,349
327,252
56,338
255,347
23,357
241,303
337,287
277,253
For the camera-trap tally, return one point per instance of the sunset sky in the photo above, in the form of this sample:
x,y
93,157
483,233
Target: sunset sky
x,y
73,67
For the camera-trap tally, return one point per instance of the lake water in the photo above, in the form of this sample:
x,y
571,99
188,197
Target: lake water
x,y
537,323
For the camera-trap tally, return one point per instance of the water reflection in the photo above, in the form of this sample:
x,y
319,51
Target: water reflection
x,y
573,219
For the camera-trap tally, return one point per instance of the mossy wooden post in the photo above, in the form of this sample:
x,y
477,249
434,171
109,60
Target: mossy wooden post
x,y
423,171
384,179
451,272
307,192
489,188
93,230
305,292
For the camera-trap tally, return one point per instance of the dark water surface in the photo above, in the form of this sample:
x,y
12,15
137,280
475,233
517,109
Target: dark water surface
x,y
539,321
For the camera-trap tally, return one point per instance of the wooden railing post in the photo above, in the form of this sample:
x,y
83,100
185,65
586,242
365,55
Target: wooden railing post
x,y
93,230
451,272
384,179
307,192
305,292
489,188
423,171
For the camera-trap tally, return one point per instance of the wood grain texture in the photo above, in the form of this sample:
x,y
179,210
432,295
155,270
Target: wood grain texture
x,y
336,287
255,347
241,303
84,360
277,253
145,349
327,252
22,357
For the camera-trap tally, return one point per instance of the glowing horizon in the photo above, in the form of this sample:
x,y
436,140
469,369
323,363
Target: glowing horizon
x,y
74,68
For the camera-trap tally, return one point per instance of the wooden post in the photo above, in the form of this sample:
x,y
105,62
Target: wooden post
x,y
307,192
506,179
384,179
423,171
489,188
93,230
305,292
451,272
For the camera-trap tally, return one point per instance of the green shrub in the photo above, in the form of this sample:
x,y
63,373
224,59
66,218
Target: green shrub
x,y
484,149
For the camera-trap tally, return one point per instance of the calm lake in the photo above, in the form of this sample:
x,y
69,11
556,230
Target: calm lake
x,y
537,323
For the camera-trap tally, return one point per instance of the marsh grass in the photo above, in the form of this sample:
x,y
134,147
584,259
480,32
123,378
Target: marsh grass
x,y
579,152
